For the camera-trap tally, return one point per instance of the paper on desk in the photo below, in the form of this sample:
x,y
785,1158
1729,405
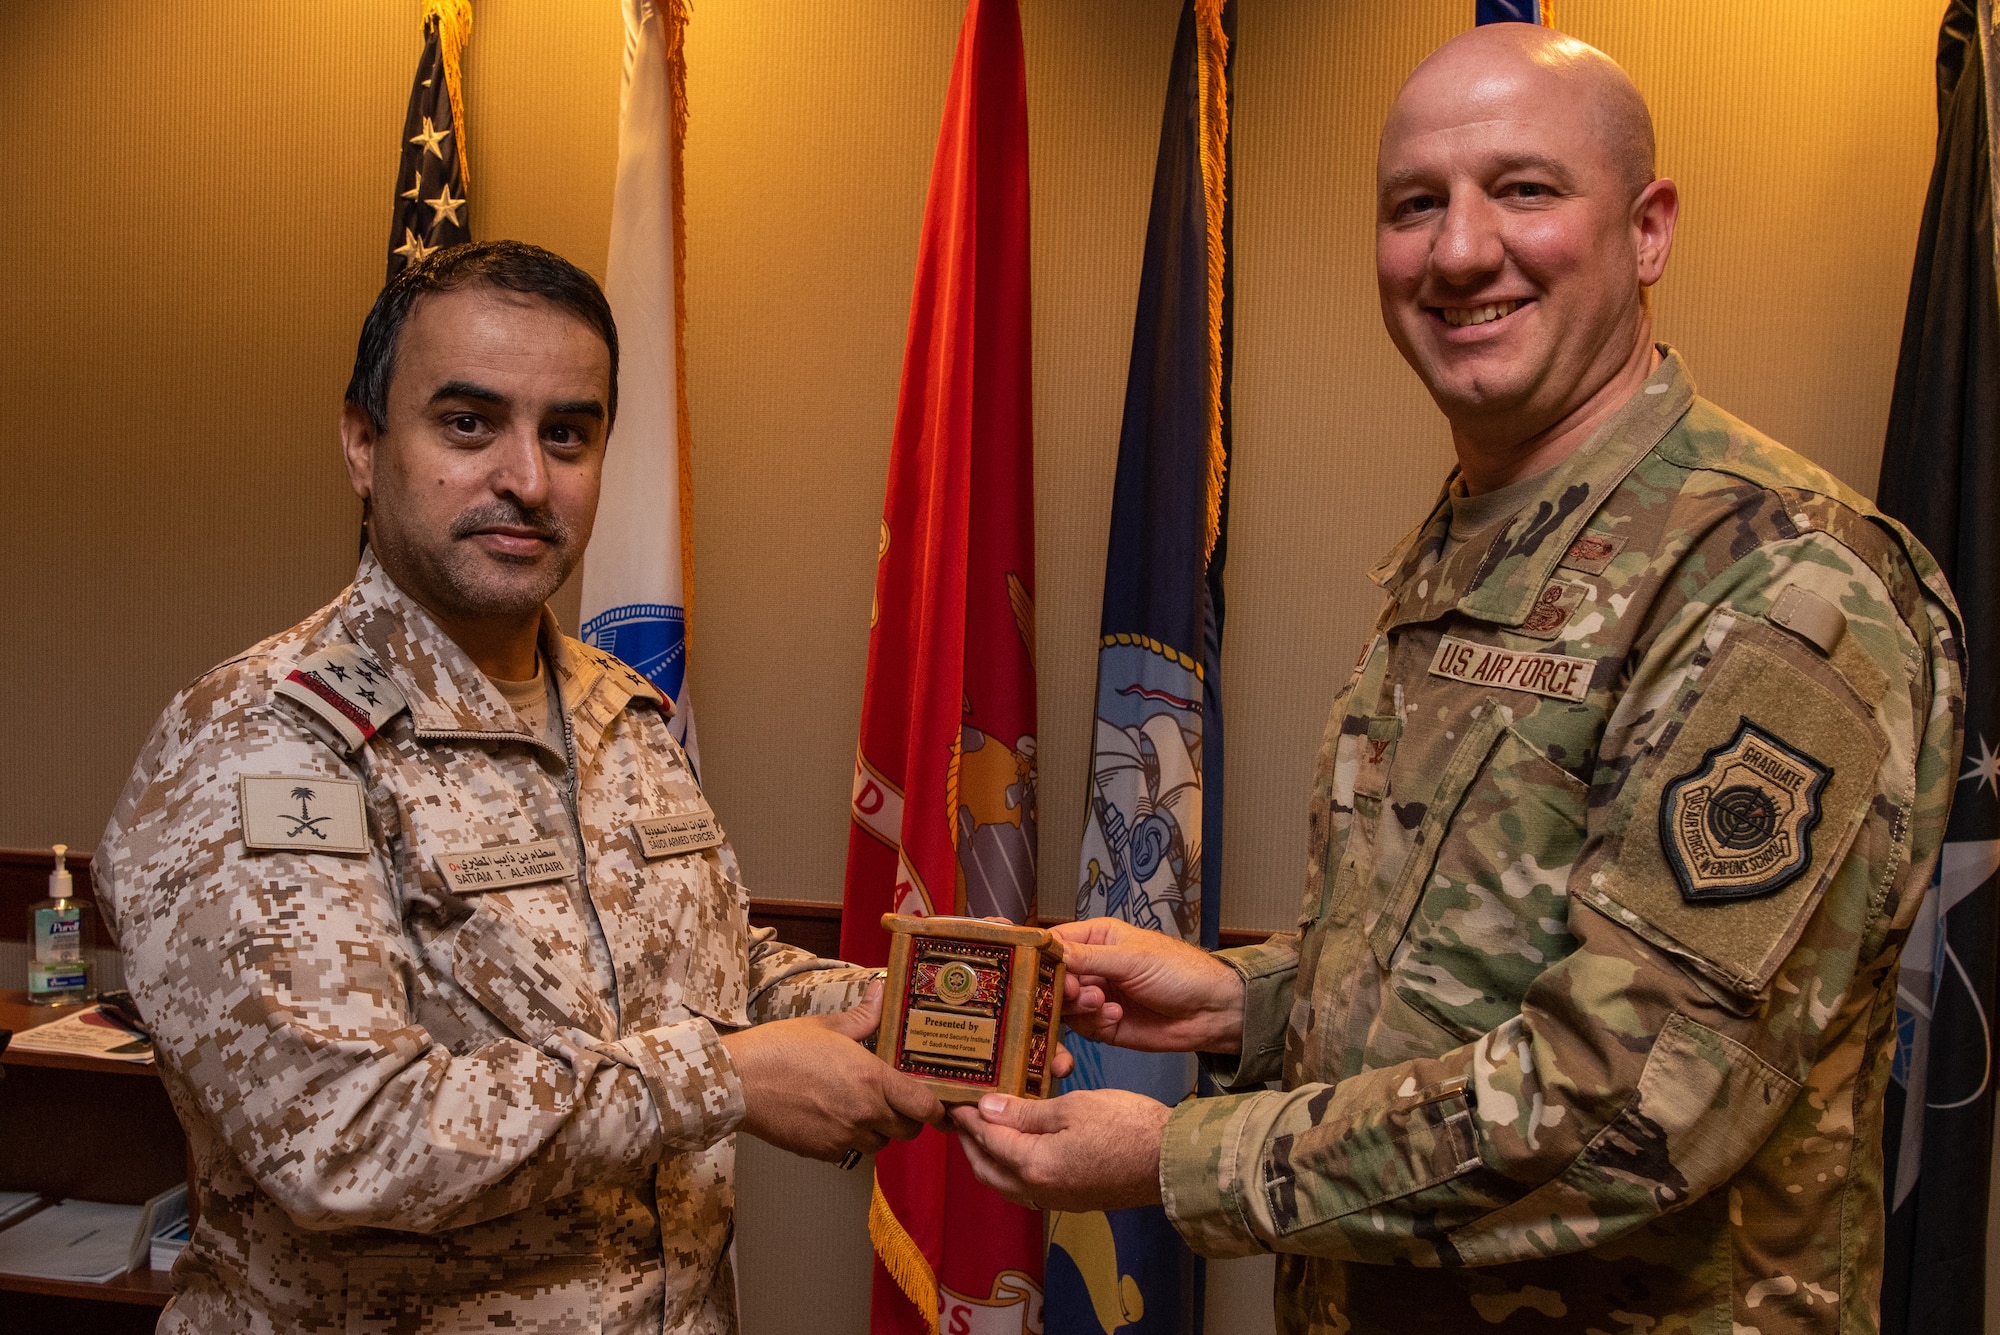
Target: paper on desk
x,y
13,1202
86,1241
88,1033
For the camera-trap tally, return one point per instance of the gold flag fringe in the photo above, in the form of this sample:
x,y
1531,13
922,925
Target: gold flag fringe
x,y
902,1258
1212,66
673,27
454,20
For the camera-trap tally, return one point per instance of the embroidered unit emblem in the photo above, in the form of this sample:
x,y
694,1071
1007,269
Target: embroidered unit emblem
x,y
1739,825
1554,607
307,812
1592,552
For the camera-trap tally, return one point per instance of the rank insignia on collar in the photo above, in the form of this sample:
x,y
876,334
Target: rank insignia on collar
x,y
1592,552
1739,824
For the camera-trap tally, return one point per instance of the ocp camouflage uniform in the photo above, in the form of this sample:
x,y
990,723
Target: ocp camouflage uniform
x,y
1616,835
414,1107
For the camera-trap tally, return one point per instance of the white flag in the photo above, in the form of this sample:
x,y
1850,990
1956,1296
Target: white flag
x,y
634,580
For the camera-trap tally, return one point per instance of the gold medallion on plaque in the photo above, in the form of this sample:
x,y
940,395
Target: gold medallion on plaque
x,y
971,1006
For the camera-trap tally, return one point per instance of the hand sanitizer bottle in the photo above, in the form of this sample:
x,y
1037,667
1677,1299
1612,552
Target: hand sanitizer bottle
x,y
59,936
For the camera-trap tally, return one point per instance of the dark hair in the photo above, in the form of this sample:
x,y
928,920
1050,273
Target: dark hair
x,y
514,266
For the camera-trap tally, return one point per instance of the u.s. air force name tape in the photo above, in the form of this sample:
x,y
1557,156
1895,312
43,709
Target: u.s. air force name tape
x,y
307,812
669,836
481,869
1552,675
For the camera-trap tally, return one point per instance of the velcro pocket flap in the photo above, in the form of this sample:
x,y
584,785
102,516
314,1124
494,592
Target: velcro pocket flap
x,y
1417,820
1739,823
1326,1172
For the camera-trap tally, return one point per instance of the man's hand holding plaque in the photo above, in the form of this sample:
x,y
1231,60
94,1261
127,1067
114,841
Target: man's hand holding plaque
x,y
1099,1149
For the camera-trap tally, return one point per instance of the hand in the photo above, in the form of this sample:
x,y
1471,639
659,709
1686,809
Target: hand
x,y
811,1088
1096,1149
1135,988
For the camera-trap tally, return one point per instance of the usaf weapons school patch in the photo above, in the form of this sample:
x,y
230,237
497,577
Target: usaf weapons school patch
x,y
309,813
1729,836
1740,824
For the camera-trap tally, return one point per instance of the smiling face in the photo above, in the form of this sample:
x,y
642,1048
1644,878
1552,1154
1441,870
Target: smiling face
x,y
482,486
1516,227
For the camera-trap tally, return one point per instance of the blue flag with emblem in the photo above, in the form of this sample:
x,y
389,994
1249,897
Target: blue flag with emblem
x,y
638,581
1152,845
1939,477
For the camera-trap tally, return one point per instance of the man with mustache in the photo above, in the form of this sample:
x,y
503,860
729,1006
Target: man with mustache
x,y
1618,827
446,958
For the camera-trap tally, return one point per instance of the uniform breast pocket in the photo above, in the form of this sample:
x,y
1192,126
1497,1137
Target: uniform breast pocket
x,y
414,1295
519,957
1353,804
714,981
1481,905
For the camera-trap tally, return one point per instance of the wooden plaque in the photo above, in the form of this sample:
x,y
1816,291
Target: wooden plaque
x,y
972,1007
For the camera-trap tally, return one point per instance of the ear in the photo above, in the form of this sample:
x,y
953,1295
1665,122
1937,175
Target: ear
x,y
1654,213
357,445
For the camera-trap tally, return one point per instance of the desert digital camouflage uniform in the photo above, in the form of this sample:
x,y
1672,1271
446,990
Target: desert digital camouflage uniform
x,y
1616,835
416,1109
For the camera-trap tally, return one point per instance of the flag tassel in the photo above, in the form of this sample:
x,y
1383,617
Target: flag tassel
x,y
902,1258
1212,64
454,20
674,17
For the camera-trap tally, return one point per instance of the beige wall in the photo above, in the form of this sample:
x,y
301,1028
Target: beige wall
x,y
196,206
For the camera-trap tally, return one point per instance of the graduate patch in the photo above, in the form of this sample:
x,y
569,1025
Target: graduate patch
x,y
1739,825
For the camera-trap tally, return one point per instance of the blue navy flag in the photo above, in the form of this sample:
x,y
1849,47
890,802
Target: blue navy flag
x,y
431,211
1512,11
1152,846
1941,476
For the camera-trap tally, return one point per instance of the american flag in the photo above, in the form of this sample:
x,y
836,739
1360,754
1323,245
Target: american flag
x,y
431,211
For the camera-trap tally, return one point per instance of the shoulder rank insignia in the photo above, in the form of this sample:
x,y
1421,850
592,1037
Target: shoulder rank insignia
x,y
347,688
1739,825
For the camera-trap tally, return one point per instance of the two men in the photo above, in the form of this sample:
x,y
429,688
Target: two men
x,y
1617,829
447,961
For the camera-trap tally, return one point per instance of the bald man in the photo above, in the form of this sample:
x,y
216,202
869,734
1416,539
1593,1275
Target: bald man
x,y
1617,831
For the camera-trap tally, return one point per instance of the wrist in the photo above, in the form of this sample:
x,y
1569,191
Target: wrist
x,y
1225,1027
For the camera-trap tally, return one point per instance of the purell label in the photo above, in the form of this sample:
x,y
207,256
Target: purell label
x,y
481,869
58,935
57,978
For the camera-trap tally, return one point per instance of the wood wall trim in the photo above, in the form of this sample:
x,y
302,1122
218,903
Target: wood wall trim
x,y
807,923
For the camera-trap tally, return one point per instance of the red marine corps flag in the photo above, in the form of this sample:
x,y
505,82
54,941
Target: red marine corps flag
x,y
944,781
